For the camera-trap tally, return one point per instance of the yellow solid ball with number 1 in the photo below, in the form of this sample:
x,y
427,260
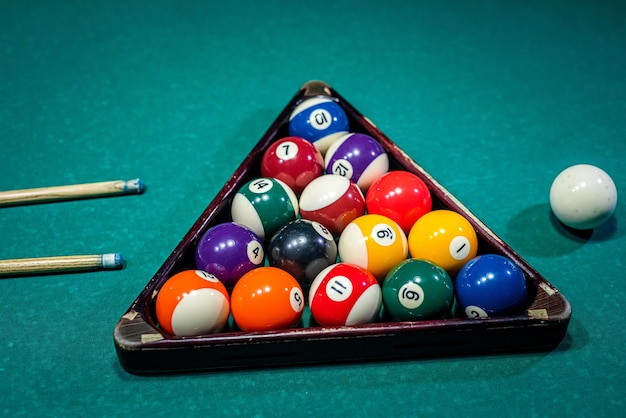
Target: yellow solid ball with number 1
x,y
445,238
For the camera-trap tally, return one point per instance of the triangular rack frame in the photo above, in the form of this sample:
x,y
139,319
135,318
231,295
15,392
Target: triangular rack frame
x,y
143,348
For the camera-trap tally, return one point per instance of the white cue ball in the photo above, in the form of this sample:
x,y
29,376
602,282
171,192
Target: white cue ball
x,y
583,196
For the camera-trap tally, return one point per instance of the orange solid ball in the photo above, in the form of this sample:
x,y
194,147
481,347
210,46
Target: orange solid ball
x,y
265,299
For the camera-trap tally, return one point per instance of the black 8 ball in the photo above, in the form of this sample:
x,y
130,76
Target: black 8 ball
x,y
303,248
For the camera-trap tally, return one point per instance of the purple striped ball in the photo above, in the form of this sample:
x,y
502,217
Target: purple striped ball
x,y
358,157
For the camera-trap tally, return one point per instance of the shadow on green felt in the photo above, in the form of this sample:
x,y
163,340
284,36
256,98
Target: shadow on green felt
x,y
575,338
536,231
604,232
455,370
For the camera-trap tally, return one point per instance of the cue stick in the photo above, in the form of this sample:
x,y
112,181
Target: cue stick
x,y
60,264
75,191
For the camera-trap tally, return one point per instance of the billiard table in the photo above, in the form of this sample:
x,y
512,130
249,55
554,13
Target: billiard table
x,y
491,99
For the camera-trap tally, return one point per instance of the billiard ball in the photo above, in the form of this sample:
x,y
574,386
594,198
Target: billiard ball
x,y
265,299
490,285
344,294
332,200
320,120
416,290
373,242
192,302
264,205
302,248
358,157
228,251
444,237
583,196
293,160
401,196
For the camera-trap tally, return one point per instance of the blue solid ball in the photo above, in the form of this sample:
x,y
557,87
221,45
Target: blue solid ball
x,y
491,285
320,120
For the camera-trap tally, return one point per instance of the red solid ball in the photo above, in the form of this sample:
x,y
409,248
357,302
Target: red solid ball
x,y
401,196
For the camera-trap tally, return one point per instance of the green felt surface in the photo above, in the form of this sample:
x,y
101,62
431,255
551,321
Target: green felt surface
x,y
492,98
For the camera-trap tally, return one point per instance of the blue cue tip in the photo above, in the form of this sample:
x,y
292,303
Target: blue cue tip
x,y
112,261
134,186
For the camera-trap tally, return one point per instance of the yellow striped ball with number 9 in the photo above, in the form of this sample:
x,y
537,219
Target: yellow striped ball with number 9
x,y
373,242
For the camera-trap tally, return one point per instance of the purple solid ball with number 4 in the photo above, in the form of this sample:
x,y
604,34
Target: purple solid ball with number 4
x,y
228,251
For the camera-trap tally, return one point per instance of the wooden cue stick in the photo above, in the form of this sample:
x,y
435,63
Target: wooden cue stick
x,y
60,264
75,191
